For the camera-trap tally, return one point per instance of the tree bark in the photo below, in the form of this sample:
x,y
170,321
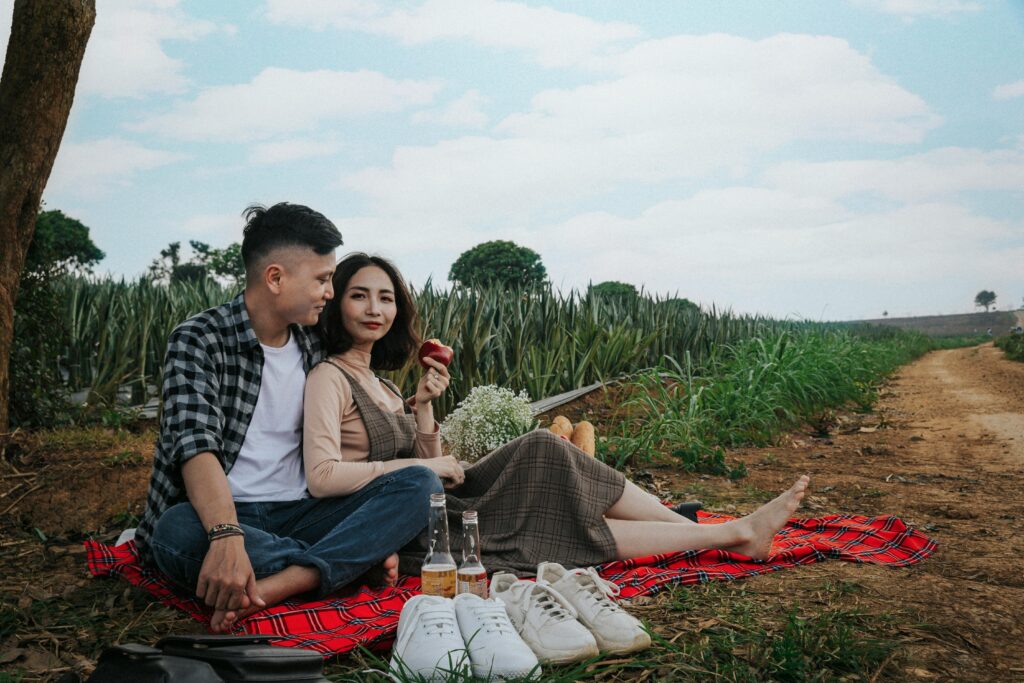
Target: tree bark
x,y
44,55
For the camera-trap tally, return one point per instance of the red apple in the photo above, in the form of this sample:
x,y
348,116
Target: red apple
x,y
433,348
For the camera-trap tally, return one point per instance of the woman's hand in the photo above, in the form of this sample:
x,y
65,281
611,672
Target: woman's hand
x,y
447,468
433,383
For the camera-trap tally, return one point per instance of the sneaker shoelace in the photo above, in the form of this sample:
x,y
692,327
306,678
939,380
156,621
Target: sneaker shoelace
x,y
439,623
552,605
493,617
598,589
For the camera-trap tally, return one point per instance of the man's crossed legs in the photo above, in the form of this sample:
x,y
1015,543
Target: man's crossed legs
x,y
313,544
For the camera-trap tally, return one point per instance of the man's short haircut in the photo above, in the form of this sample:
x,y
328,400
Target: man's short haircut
x,y
284,225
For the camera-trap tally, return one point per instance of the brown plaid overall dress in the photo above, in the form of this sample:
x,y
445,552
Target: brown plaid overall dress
x,y
539,498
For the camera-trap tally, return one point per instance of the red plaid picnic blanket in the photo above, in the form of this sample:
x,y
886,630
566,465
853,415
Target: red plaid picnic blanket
x,y
368,618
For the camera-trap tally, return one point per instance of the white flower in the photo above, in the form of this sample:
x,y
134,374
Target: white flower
x,y
489,417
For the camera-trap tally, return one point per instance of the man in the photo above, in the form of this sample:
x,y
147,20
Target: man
x,y
248,536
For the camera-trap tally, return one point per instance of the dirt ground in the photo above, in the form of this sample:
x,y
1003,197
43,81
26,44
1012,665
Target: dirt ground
x,y
944,450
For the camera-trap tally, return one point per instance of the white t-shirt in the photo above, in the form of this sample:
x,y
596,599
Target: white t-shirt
x,y
269,466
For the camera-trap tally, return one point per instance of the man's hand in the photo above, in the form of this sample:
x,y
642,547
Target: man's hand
x,y
226,580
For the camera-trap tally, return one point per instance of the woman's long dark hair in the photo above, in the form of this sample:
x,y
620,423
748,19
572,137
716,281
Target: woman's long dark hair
x,y
401,341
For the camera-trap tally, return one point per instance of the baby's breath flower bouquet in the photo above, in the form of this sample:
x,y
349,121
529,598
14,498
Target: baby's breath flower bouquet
x,y
489,417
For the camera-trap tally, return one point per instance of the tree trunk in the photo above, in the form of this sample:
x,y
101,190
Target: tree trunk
x,y
37,88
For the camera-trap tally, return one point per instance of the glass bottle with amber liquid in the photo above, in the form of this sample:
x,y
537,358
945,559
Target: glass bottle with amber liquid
x,y
437,576
471,577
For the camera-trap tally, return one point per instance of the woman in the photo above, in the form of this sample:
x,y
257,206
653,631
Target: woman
x,y
539,497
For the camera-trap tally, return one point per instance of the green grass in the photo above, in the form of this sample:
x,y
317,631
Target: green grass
x,y
725,632
1012,346
750,392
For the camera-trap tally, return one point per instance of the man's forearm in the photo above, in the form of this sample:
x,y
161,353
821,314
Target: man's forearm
x,y
208,490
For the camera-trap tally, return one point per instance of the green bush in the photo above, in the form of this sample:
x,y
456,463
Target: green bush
x,y
38,388
1012,345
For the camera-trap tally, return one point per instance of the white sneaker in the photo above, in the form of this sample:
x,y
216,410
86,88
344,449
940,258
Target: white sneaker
x,y
616,631
544,620
495,649
429,643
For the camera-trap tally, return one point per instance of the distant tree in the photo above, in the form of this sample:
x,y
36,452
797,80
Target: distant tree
x,y
189,272
162,267
226,262
684,305
44,55
985,298
60,245
206,262
613,288
498,262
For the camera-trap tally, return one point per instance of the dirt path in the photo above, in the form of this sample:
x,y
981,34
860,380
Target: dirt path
x,y
944,450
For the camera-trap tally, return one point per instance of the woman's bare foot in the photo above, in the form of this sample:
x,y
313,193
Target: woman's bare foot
x,y
390,567
383,575
759,527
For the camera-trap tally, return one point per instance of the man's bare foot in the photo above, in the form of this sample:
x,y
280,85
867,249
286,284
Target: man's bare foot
x,y
272,590
760,526
293,580
223,621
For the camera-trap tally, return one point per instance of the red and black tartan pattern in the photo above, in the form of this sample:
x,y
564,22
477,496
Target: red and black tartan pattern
x,y
368,618
853,538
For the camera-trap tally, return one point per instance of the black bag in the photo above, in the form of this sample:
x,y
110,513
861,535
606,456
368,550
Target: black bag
x,y
134,663
238,659
208,659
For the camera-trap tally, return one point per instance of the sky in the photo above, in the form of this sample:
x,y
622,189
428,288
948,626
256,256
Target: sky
x,y
810,159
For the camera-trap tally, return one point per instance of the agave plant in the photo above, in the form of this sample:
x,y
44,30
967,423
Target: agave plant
x,y
540,341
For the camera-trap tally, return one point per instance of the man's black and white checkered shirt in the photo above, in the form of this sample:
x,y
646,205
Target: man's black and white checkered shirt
x,y
211,382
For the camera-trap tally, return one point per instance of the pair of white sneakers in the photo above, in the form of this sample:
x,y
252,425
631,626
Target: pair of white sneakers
x,y
438,637
568,615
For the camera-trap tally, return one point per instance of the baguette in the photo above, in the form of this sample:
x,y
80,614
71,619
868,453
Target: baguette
x,y
583,437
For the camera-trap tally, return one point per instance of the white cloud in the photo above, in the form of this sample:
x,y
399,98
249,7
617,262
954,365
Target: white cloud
x,y
292,149
125,56
758,249
928,176
913,8
465,112
283,101
1009,91
551,37
96,167
682,107
768,250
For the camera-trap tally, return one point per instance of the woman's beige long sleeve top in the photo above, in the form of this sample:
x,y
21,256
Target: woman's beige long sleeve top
x,y
335,445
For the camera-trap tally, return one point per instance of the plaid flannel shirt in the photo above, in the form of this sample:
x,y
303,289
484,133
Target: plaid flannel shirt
x,y
211,382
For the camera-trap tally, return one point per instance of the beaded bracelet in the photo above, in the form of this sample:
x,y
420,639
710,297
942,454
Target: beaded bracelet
x,y
224,530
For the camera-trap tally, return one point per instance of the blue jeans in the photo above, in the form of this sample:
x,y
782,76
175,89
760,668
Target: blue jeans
x,y
342,537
